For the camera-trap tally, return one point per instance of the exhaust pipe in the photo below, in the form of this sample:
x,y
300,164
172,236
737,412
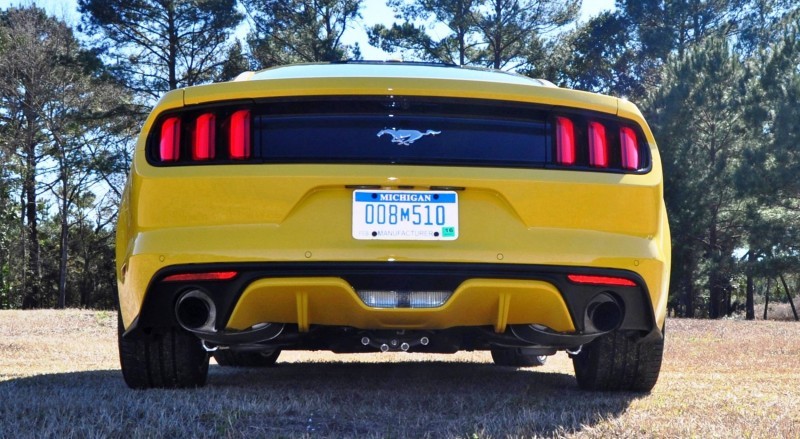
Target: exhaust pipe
x,y
605,313
196,311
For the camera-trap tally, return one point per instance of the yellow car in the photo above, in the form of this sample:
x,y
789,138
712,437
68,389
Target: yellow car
x,y
382,207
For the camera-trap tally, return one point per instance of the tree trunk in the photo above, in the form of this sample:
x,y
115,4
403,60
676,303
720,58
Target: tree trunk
x,y
766,298
62,264
789,296
31,296
750,312
689,298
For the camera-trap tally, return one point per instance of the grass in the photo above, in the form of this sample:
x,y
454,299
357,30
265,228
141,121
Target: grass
x,y
59,377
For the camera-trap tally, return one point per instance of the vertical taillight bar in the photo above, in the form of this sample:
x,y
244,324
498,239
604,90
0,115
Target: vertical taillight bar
x,y
205,136
170,139
565,141
598,151
629,148
239,139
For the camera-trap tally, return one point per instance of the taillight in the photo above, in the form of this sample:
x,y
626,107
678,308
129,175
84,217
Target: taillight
x,y
629,148
211,275
598,151
205,136
239,138
589,279
170,139
565,141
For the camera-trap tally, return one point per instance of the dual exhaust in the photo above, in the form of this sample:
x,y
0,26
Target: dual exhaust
x,y
196,312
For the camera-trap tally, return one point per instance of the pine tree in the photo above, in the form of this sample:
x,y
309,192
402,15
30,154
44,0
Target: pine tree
x,y
493,33
697,115
160,45
300,30
57,106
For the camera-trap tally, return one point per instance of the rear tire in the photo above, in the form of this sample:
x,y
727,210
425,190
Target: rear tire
x,y
172,359
618,361
230,358
513,357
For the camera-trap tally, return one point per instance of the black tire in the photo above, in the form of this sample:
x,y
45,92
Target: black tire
x,y
170,360
229,358
618,361
513,357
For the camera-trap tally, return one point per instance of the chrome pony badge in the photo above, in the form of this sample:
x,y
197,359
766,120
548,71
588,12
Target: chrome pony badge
x,y
406,137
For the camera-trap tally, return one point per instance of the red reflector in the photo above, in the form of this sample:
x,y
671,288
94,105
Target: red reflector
x,y
205,136
630,148
598,153
213,275
565,141
586,279
170,139
240,135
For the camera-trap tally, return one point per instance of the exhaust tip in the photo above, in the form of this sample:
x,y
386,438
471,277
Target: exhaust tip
x,y
196,311
605,313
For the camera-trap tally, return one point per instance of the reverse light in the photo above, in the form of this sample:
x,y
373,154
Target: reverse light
x,y
239,137
598,151
170,139
612,281
565,141
209,275
629,148
205,136
403,299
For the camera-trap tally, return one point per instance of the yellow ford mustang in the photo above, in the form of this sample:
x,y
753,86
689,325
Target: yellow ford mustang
x,y
366,207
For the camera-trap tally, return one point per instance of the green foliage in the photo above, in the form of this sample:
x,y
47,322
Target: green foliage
x,y
493,33
698,116
60,115
159,45
300,30
717,79
598,56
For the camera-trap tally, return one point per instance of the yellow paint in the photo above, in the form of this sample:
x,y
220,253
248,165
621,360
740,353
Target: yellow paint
x,y
332,301
278,213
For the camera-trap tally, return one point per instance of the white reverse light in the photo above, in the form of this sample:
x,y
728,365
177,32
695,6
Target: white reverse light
x,y
404,299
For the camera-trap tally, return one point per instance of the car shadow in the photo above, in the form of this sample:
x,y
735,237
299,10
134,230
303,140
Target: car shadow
x,y
333,399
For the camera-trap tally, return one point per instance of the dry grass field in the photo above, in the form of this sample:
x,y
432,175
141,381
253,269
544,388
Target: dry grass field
x,y
59,377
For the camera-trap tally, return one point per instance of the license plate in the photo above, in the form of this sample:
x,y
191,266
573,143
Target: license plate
x,y
405,215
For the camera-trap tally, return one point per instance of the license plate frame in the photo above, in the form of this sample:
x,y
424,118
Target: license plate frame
x,y
405,215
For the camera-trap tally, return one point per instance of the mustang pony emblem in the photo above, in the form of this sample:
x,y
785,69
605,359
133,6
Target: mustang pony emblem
x,y
406,137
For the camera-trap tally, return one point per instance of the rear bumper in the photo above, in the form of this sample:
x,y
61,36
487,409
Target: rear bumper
x,y
495,297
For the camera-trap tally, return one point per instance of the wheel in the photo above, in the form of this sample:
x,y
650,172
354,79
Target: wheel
x,y
173,359
514,357
618,361
226,357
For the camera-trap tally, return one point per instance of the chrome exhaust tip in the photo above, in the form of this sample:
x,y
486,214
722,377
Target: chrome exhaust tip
x,y
195,311
605,313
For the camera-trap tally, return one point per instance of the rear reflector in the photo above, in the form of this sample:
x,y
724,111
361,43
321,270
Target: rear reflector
x,y
170,139
587,279
630,148
565,141
598,152
239,139
212,275
205,136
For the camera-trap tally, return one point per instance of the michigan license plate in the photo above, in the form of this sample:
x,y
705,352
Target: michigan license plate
x,y
405,215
